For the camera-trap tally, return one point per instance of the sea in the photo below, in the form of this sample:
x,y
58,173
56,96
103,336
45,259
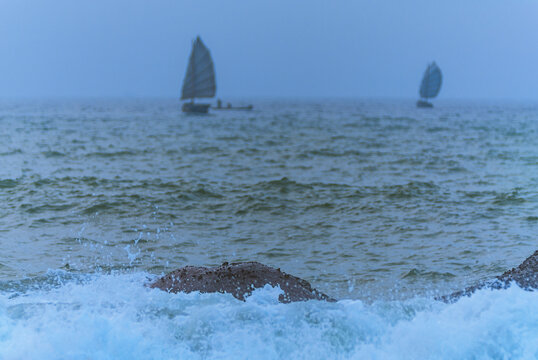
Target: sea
x,y
376,203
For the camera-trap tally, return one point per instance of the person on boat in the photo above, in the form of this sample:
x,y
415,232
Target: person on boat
x,y
219,103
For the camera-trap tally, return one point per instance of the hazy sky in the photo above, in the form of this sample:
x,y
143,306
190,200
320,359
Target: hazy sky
x,y
330,48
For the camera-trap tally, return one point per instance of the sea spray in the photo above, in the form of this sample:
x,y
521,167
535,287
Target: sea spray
x,y
115,316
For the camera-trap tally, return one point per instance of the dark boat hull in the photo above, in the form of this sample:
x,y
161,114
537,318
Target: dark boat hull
x,y
249,107
192,108
424,104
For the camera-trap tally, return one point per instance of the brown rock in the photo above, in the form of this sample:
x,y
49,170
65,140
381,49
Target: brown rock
x,y
525,276
238,279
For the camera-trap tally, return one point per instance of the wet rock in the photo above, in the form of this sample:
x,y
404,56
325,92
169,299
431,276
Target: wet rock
x,y
525,276
238,279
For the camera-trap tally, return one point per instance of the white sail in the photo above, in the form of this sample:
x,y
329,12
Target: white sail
x,y
199,80
431,81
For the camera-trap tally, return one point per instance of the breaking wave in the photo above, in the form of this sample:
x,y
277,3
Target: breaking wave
x,y
115,316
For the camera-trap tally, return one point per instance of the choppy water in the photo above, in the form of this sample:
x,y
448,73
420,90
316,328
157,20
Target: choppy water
x,y
374,202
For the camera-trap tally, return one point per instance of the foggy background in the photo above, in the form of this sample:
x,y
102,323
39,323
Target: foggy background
x,y
277,48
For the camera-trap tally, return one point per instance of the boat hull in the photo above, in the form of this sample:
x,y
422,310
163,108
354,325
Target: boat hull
x,y
249,107
424,104
191,108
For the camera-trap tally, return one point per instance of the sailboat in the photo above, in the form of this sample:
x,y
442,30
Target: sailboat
x,y
430,85
199,81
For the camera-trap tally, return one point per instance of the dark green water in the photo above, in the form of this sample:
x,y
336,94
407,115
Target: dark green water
x,y
366,199
376,203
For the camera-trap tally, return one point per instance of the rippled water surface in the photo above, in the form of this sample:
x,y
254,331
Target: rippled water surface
x,y
374,202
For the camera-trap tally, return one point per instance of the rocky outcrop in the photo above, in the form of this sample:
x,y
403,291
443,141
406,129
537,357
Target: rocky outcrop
x,y
525,276
238,279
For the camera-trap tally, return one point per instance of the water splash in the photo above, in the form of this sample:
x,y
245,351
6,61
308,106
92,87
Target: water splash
x,y
116,317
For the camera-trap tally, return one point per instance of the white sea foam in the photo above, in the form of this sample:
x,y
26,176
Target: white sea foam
x,y
116,317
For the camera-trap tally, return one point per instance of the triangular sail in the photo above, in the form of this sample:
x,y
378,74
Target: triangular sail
x,y
431,81
199,80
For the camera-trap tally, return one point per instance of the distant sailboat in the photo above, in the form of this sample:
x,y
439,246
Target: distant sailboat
x,y
430,85
199,81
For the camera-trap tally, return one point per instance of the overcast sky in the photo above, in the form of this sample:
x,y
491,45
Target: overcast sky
x,y
329,48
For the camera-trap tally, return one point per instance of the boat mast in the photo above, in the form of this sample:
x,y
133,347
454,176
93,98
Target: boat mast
x,y
193,69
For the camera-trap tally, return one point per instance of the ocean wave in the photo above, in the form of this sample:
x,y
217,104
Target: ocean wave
x,y
113,154
414,274
115,316
53,154
410,190
335,153
117,207
30,209
510,198
8,183
284,185
11,152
